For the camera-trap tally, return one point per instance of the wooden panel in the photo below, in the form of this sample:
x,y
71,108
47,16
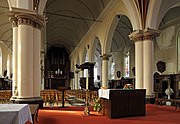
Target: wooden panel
x,y
124,103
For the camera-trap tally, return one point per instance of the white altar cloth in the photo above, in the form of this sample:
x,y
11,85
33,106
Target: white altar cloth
x,y
104,93
15,114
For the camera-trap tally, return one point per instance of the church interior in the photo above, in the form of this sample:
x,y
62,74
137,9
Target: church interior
x,y
119,58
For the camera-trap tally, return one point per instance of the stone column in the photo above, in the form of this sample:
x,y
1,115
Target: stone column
x,y
76,79
15,56
9,59
105,59
148,61
81,73
137,37
37,60
25,56
99,68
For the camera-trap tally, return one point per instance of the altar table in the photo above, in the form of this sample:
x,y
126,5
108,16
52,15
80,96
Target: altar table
x,y
15,114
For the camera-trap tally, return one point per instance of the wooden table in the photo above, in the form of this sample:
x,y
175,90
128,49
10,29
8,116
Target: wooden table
x,y
15,114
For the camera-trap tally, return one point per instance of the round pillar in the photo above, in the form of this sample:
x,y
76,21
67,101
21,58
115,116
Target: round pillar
x,y
76,79
25,57
36,61
148,65
81,73
15,57
137,37
105,60
148,50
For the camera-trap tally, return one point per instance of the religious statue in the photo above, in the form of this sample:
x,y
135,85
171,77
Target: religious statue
x,y
169,92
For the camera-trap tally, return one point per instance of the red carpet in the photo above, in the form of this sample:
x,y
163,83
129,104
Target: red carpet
x,y
74,115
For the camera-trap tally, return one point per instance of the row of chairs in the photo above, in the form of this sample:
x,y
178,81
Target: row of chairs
x,y
5,96
54,96
51,96
81,94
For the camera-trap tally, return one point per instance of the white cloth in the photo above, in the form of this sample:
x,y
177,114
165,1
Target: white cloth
x,y
15,114
104,93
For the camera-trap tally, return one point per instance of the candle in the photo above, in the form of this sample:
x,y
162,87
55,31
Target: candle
x,y
87,83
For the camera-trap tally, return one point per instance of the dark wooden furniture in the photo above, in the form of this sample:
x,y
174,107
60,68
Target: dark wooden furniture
x,y
54,83
57,68
5,84
124,103
161,83
90,67
62,89
119,84
159,101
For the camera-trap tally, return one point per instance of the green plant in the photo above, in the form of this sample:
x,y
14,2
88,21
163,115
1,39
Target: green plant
x,y
51,101
97,105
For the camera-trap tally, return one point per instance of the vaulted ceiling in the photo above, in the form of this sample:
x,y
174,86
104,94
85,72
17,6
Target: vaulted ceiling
x,y
5,25
69,20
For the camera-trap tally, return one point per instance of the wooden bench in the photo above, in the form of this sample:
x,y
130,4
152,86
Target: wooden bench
x,y
34,111
161,100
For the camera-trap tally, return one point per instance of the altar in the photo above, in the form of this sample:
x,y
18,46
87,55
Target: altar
x,y
116,103
15,114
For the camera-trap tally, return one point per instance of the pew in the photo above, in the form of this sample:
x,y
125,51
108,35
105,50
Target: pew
x,y
161,100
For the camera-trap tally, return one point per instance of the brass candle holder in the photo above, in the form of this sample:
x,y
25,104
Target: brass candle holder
x,y
86,109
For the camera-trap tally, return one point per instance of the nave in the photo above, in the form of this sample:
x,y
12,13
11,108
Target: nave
x,y
155,114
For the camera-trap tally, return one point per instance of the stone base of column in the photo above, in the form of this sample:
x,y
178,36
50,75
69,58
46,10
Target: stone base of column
x,y
31,100
13,98
150,99
104,87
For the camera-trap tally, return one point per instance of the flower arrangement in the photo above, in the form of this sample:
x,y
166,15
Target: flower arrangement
x,y
128,86
97,105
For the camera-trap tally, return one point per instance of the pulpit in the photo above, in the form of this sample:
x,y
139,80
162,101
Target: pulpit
x,y
90,67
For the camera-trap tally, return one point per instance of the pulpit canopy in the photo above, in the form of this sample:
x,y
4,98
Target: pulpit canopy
x,y
86,65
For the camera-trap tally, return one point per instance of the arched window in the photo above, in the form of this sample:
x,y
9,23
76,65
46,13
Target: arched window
x,y
126,64
95,72
112,71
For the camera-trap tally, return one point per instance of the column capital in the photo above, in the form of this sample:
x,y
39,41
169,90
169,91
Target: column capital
x,y
14,21
136,35
26,17
105,56
150,34
140,35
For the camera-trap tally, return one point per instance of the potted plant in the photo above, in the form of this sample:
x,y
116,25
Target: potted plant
x,y
51,102
97,105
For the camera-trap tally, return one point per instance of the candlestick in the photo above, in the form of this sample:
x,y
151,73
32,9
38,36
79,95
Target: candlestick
x,y
87,83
